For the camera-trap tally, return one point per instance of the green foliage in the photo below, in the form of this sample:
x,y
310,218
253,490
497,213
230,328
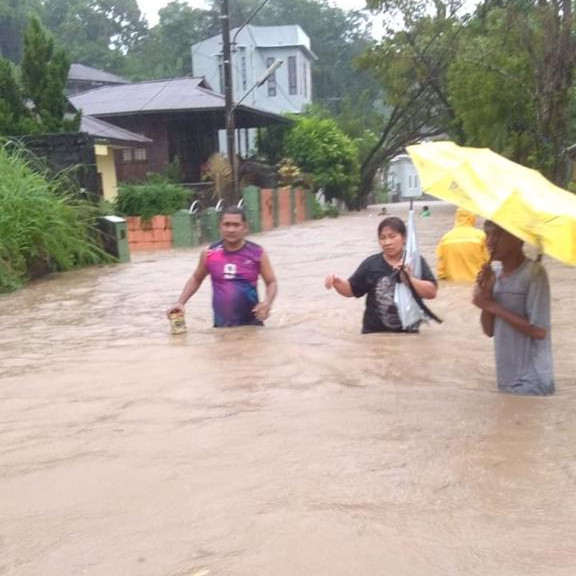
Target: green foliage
x,y
44,226
14,15
13,113
165,51
157,195
44,74
322,150
490,88
270,142
98,33
320,210
34,101
507,93
106,208
173,171
411,64
502,78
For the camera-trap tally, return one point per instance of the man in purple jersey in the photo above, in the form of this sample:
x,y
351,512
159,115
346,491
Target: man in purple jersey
x,y
234,265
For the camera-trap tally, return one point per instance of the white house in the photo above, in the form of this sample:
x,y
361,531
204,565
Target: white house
x,y
254,50
403,180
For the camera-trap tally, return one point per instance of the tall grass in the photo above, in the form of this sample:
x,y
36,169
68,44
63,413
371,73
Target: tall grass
x,y
44,225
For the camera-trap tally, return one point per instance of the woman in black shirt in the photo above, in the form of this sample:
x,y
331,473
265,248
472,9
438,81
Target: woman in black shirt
x,y
377,276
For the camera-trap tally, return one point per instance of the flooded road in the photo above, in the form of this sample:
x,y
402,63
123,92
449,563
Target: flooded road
x,y
299,449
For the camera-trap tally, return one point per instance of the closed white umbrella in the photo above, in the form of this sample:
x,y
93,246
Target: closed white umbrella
x,y
410,312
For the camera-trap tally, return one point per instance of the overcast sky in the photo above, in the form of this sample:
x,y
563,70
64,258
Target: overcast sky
x,y
150,7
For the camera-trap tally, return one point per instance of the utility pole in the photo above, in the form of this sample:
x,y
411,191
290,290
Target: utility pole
x,y
229,101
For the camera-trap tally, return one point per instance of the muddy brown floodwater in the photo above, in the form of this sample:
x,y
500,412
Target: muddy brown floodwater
x,y
299,449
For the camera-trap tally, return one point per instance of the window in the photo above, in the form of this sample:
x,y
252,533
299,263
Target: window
x,y
221,75
305,79
140,155
134,155
292,77
243,73
272,78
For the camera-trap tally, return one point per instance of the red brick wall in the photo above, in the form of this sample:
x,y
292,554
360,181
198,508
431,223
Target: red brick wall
x,y
284,206
153,234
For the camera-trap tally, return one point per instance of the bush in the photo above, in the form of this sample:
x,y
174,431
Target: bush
x,y
320,210
157,195
44,226
323,151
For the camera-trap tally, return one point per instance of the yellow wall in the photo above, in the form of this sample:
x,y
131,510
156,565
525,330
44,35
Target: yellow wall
x,y
107,170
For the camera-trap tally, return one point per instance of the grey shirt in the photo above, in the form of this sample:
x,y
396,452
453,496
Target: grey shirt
x,y
524,365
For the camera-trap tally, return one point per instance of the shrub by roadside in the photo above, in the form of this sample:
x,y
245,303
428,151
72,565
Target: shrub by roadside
x,y
44,225
156,196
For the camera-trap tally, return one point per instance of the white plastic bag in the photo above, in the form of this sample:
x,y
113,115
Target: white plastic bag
x,y
410,313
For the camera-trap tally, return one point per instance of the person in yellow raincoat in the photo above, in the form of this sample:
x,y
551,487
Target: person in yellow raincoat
x,y
462,251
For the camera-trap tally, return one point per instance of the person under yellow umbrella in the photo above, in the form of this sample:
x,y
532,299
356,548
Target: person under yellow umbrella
x,y
521,205
514,296
517,198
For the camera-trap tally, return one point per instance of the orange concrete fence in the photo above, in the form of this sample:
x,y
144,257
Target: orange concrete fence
x,y
265,208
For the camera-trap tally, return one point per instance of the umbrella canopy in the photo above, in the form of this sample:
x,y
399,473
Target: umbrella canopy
x,y
517,198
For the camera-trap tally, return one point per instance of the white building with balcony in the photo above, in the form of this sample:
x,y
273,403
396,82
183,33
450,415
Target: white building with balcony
x,y
254,50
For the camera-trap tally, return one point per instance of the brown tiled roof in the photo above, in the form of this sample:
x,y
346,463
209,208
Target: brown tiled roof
x,y
177,94
164,96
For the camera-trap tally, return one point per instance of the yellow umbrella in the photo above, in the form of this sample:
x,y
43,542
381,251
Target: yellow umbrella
x,y
517,198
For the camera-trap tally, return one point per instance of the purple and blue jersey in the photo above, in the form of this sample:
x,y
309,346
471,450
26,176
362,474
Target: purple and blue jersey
x,y
234,277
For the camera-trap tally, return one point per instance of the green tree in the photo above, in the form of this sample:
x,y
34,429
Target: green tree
x,y
33,99
503,78
491,88
512,83
322,150
97,33
44,73
412,64
14,115
165,51
13,18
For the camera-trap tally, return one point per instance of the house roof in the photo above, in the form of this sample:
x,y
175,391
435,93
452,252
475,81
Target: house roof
x,y
83,72
105,131
283,36
176,95
259,37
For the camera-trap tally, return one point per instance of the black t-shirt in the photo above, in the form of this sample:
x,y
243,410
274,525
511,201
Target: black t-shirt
x,y
376,279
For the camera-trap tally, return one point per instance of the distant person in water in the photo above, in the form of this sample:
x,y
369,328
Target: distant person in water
x,y
514,296
425,212
376,278
234,265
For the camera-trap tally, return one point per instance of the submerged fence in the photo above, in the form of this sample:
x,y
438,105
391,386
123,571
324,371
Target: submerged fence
x,y
265,209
